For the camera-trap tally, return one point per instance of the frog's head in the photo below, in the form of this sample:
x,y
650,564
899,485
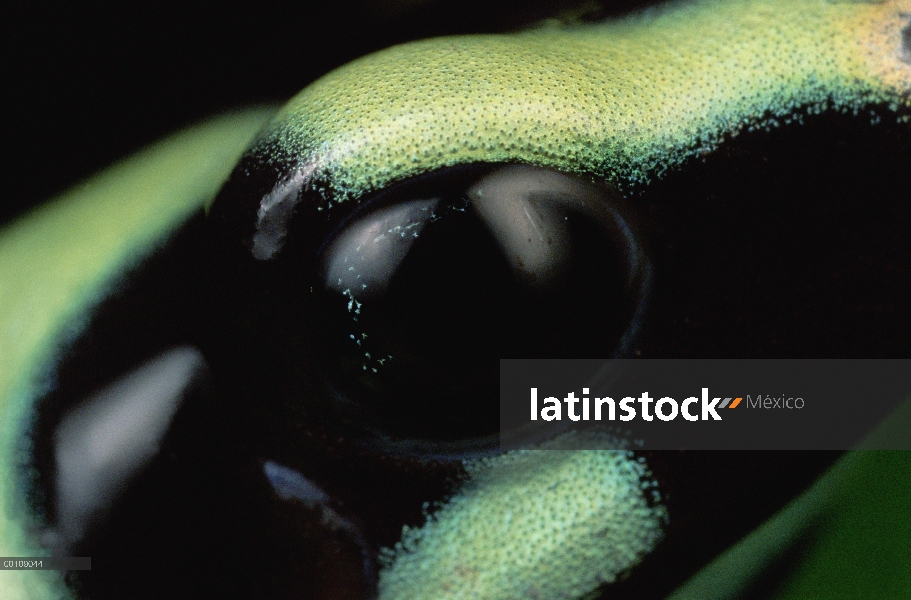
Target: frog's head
x,y
322,284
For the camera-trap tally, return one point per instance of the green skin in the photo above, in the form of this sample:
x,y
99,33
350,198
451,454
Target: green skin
x,y
624,100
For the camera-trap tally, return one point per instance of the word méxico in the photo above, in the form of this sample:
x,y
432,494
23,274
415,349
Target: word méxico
x,y
666,409
770,402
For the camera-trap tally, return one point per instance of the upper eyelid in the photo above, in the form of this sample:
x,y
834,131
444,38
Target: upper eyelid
x,y
634,110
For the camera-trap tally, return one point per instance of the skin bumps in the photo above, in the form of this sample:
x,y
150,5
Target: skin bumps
x,y
586,517
623,100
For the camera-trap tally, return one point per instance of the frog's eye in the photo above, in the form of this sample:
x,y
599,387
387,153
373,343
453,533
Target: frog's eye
x,y
405,301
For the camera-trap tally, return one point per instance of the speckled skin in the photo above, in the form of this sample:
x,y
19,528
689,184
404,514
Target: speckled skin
x,y
624,100
600,524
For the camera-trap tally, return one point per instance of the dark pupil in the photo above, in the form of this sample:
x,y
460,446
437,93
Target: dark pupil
x,y
423,299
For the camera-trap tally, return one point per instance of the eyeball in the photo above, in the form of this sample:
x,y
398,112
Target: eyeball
x,y
406,302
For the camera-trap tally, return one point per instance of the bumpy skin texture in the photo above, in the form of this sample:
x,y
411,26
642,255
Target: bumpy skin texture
x,y
624,100
599,525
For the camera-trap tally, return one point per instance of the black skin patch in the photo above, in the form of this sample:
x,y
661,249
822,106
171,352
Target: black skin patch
x,y
783,244
786,244
150,311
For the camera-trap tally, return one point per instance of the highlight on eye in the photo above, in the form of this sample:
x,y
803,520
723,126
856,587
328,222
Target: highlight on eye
x,y
413,294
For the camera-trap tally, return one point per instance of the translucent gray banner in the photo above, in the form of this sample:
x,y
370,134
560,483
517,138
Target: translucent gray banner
x,y
731,404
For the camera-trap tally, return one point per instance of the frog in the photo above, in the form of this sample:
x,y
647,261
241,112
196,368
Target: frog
x,y
373,125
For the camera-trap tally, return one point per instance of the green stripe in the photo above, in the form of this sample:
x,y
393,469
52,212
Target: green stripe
x,y
58,261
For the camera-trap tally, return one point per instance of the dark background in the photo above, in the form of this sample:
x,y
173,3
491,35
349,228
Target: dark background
x,y
86,86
